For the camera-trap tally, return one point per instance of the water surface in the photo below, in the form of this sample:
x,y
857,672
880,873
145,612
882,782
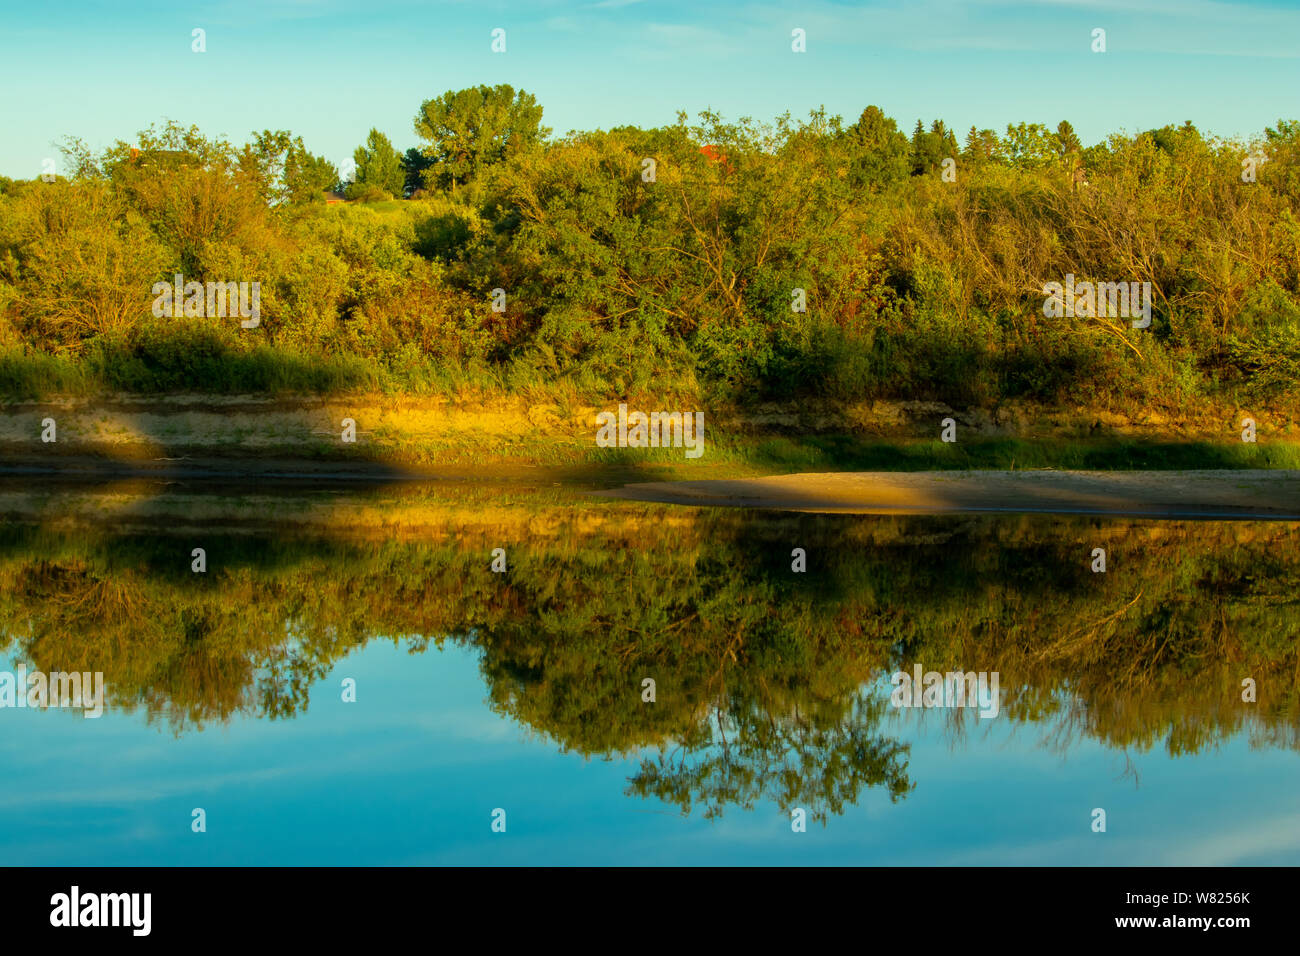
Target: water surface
x,y
523,691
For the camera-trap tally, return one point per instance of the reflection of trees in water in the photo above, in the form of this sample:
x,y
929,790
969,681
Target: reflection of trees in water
x,y
757,668
745,754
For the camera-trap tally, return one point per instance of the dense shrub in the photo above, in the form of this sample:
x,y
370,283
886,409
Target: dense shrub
x,y
765,261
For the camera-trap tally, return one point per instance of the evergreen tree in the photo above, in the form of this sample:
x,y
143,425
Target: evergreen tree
x,y
1066,141
414,163
982,146
930,149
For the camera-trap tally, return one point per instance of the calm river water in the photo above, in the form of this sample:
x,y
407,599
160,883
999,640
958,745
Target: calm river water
x,y
302,676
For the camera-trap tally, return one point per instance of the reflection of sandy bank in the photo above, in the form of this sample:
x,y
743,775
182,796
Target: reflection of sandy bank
x,y
1186,494
507,512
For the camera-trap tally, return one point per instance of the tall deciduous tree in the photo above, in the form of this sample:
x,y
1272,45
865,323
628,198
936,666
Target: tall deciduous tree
x,y
880,151
285,172
467,131
1029,145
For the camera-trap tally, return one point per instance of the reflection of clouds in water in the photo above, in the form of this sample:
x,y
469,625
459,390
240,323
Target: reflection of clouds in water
x,y
1249,842
138,792
477,725
1244,839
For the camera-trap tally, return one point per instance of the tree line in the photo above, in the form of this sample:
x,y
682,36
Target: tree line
x,y
736,260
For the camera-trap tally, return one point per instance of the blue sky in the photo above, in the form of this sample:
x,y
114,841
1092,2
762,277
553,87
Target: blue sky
x,y
331,69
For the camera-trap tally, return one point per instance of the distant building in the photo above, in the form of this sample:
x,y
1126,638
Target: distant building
x,y
717,155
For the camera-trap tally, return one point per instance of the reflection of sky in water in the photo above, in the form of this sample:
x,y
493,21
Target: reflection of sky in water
x,y
411,772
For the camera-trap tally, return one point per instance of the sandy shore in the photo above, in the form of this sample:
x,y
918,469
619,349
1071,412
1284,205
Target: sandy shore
x,y
1271,494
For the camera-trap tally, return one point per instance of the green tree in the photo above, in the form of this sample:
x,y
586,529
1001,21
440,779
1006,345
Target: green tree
x,y
307,177
929,149
378,166
1066,140
982,146
1029,145
880,151
467,131
284,171
945,137
414,163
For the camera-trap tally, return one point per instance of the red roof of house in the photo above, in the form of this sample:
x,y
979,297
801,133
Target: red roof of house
x,y
714,153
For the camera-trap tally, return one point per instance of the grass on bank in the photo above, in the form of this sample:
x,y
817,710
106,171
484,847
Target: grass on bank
x,y
167,364
851,453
